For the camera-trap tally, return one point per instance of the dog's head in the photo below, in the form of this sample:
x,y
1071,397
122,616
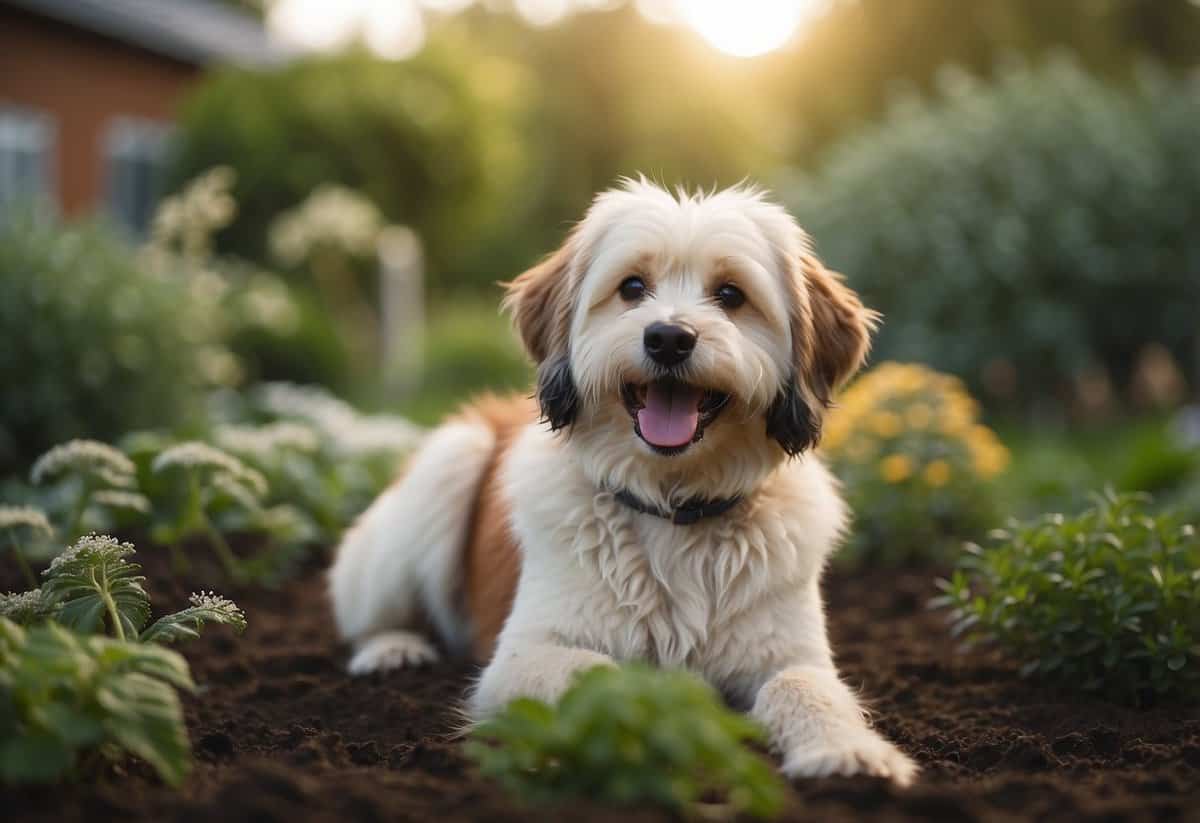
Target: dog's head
x,y
674,333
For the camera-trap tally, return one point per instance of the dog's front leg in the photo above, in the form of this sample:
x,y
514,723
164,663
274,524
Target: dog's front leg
x,y
539,670
817,725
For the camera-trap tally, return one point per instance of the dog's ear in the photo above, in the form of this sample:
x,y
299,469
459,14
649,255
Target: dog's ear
x,y
540,302
831,336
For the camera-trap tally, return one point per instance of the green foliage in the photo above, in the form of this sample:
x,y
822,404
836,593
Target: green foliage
x,y
1107,600
469,347
91,474
93,580
628,736
63,695
1053,213
95,343
916,465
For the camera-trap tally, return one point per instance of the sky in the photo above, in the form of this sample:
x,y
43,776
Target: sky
x,y
396,28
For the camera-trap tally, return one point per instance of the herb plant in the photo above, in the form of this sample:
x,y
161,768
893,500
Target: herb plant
x,y
93,584
16,519
64,696
629,735
95,474
1107,600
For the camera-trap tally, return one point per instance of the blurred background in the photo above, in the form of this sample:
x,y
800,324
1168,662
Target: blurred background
x,y
201,196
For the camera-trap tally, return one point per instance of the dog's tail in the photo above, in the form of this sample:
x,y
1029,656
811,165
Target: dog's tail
x,y
401,564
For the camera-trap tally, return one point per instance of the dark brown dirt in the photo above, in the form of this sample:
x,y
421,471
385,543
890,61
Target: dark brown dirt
x,y
282,734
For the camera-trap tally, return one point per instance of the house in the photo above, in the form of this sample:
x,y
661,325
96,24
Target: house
x,y
88,89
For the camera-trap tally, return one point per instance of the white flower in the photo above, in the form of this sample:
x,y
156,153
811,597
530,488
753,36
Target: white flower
x,y
332,216
25,606
349,432
12,517
225,607
114,499
92,457
262,442
196,455
92,545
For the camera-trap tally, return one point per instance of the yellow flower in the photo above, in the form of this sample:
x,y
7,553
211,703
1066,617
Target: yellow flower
x,y
919,416
895,468
937,474
860,450
886,424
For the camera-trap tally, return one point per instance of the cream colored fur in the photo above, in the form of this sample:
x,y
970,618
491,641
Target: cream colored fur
x,y
736,598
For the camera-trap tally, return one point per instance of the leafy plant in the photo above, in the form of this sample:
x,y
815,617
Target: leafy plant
x,y
629,735
94,583
213,479
916,464
63,694
1107,600
96,474
14,519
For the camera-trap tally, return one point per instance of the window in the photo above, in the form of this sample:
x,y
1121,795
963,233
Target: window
x,y
27,144
135,153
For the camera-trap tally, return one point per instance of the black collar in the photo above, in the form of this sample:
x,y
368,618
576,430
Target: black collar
x,y
690,512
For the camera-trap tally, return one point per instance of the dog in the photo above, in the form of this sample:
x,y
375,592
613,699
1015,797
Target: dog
x,y
660,501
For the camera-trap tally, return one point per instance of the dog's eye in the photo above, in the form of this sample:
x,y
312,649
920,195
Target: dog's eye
x,y
730,296
632,289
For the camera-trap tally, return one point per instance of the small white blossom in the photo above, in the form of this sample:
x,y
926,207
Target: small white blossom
x,y
12,517
92,545
196,455
114,499
350,433
98,459
262,442
25,606
332,216
235,490
231,611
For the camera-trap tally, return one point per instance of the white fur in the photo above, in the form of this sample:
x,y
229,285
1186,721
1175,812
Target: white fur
x,y
735,598
401,560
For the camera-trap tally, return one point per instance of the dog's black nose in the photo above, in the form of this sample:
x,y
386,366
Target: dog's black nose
x,y
668,344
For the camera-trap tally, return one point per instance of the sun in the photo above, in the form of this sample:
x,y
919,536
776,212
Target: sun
x,y
747,28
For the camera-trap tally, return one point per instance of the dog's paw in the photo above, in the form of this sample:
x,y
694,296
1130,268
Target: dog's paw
x,y
391,650
859,753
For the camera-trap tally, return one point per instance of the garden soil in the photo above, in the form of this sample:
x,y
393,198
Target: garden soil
x,y
282,734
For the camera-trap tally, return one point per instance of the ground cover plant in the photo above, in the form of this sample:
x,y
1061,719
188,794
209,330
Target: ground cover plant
x,y
1107,600
629,736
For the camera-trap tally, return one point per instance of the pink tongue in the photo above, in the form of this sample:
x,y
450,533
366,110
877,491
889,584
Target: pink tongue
x,y
670,415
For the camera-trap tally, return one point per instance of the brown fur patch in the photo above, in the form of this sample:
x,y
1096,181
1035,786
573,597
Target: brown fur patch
x,y
540,302
492,561
831,329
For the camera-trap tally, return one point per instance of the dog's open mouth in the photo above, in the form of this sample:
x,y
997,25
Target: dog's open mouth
x,y
670,415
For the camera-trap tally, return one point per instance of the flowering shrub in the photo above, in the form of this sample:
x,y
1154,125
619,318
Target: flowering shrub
x,y
1107,600
630,735
915,462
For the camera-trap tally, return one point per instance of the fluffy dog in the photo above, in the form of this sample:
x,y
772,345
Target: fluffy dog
x,y
664,505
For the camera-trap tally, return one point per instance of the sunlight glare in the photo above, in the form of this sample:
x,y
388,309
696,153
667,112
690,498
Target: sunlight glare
x,y
747,28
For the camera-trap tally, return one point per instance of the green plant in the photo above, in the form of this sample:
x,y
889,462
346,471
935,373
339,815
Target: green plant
x,y
94,583
14,519
96,342
1024,234
916,464
213,479
629,735
1107,600
63,694
97,475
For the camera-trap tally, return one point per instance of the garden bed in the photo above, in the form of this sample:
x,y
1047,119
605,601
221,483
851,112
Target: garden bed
x,y
281,733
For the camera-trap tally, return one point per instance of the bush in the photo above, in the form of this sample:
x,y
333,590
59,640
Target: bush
x,y
915,462
1106,601
95,344
631,735
1025,233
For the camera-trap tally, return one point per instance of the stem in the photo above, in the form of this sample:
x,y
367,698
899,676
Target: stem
x,y
229,560
23,563
113,615
77,511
